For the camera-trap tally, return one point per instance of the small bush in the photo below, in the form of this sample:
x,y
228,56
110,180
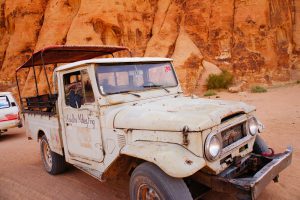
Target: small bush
x,y
258,89
219,81
209,93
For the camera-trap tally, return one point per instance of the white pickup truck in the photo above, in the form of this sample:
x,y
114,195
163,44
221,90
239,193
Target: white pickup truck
x,y
111,115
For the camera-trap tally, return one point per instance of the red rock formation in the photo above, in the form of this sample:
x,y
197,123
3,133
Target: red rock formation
x,y
256,40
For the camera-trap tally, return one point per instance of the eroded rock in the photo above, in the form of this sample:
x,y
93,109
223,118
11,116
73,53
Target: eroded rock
x,y
254,40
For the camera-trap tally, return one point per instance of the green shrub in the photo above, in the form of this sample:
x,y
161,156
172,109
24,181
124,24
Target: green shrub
x,y
209,93
258,89
219,81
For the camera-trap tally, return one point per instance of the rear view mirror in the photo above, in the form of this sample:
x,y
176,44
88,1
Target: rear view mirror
x,y
13,104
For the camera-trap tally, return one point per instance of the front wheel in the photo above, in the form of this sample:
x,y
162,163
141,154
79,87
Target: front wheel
x,y
260,145
149,182
53,162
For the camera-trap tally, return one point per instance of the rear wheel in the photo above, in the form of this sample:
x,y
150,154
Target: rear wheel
x,y
53,162
149,182
2,131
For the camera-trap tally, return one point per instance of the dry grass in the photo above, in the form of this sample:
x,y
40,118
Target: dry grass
x,y
219,81
209,93
258,89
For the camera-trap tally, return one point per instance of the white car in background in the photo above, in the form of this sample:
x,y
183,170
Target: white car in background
x,y
9,112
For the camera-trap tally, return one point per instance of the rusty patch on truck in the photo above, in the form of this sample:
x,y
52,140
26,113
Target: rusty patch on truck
x,y
86,145
189,162
185,131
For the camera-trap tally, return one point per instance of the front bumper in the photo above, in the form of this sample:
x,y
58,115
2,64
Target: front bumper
x,y
247,179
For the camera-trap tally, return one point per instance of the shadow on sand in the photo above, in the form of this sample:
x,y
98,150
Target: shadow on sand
x,y
10,136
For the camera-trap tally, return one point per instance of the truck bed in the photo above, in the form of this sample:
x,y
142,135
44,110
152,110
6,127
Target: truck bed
x,y
40,104
37,124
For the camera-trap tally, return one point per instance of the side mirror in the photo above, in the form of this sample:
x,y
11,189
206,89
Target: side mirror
x,y
13,104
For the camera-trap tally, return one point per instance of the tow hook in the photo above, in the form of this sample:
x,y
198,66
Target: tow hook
x,y
268,154
185,131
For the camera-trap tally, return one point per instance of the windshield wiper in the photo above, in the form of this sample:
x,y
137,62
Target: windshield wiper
x,y
156,86
129,92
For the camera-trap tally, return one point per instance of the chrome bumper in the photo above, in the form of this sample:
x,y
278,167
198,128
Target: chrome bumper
x,y
248,179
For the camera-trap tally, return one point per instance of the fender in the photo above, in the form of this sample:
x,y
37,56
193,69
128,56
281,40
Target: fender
x,y
52,139
173,159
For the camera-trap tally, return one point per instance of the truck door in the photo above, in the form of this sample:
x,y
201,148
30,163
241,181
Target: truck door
x,y
81,117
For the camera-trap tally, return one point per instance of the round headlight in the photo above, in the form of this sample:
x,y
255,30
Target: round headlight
x,y
253,126
213,148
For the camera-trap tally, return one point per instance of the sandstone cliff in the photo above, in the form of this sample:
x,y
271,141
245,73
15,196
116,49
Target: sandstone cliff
x,y
257,40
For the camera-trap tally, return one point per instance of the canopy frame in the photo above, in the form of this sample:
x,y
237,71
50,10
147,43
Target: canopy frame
x,y
63,54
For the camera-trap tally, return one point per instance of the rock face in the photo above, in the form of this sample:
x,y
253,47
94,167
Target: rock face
x,y
258,41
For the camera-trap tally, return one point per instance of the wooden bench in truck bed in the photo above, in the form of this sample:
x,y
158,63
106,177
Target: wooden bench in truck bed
x,y
41,104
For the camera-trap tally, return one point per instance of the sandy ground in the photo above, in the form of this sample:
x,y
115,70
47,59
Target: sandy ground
x,y
23,177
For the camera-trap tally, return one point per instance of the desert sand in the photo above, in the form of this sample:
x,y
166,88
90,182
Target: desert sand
x,y
22,175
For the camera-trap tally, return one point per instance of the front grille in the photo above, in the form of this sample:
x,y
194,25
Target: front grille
x,y
233,134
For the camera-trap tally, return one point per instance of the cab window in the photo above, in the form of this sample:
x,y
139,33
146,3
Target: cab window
x,y
4,102
78,85
127,77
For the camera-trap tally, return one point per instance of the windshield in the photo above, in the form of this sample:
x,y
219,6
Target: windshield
x,y
121,78
4,102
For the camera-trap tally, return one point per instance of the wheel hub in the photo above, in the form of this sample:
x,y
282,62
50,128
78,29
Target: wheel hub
x,y
47,154
146,192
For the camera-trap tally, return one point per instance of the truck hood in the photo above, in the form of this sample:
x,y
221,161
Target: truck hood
x,y
172,114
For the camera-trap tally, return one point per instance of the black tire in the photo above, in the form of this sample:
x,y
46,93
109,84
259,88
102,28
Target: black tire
x,y
57,164
149,177
260,145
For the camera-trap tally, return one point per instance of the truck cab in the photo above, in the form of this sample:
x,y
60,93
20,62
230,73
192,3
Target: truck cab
x,y
129,114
